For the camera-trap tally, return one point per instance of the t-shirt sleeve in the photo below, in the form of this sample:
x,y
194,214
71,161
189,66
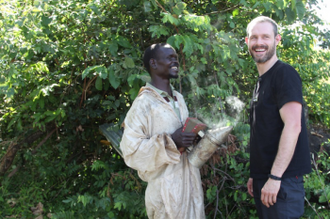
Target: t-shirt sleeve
x,y
288,86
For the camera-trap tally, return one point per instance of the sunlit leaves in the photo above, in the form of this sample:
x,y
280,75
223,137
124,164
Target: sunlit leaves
x,y
198,23
167,17
92,71
46,90
40,67
158,30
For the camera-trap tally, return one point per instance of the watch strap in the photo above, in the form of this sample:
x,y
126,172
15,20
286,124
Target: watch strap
x,y
274,177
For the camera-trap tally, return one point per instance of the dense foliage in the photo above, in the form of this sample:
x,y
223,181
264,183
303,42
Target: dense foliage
x,y
69,66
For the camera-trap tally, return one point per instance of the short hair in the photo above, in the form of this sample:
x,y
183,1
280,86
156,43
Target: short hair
x,y
151,53
262,19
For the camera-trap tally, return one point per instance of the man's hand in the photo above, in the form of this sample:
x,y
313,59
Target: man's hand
x,y
250,186
183,139
269,192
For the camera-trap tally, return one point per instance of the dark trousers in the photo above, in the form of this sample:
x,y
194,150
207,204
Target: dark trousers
x,y
289,203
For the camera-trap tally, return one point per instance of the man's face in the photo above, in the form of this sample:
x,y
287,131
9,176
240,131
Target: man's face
x,y
262,42
167,63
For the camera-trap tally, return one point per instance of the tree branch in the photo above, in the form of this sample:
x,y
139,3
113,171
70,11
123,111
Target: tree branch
x,y
218,12
8,158
43,141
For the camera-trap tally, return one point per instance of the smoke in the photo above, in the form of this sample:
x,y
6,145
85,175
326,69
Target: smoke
x,y
220,113
234,107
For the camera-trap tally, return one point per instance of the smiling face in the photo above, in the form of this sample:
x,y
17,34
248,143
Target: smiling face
x,y
166,65
262,42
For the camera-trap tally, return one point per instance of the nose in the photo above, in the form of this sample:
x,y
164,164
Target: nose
x,y
259,41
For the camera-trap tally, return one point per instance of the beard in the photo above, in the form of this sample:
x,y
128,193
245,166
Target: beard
x,y
173,76
269,54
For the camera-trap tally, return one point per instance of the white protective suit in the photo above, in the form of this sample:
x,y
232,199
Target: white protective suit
x,y
174,188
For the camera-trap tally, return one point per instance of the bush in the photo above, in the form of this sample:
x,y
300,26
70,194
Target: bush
x,y
70,66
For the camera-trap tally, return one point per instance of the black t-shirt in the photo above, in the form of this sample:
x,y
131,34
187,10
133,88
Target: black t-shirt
x,y
279,85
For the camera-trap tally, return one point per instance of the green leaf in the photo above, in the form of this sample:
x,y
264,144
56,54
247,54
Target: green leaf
x,y
290,15
118,205
169,18
322,199
131,79
232,24
279,13
96,69
235,12
41,67
147,6
63,114
98,83
158,30
86,72
41,102
113,48
124,42
175,41
179,8
45,91
188,45
11,123
114,81
244,196
45,20
128,63
102,71
181,5
235,195
267,5
67,200
300,7
280,4
203,60
134,92
293,4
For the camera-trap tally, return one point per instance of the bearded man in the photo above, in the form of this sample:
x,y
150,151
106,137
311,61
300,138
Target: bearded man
x,y
279,155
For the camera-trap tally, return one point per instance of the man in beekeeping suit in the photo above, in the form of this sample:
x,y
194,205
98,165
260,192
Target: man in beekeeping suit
x,y
153,142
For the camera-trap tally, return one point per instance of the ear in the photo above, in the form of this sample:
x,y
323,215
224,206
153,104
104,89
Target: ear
x,y
153,63
278,39
247,40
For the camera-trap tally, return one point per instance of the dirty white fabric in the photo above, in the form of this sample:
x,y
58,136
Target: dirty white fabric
x,y
170,100
174,188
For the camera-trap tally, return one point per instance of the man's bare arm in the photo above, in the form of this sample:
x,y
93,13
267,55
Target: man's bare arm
x,y
291,117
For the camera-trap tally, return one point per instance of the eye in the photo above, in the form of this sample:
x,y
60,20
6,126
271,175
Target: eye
x,y
173,58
